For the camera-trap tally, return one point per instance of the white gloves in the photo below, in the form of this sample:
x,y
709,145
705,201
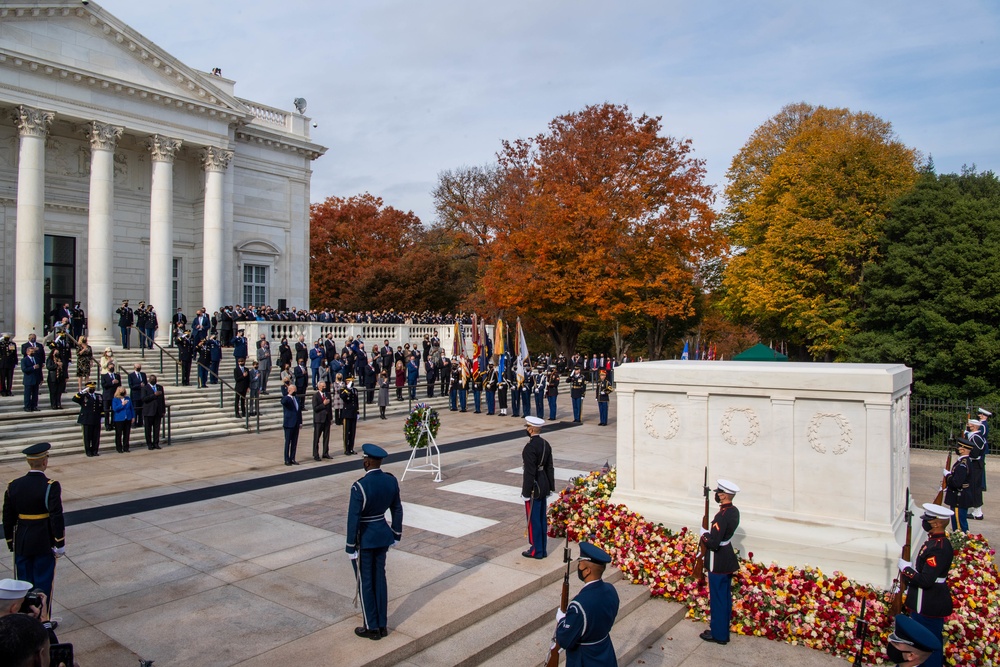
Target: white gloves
x,y
394,543
560,615
903,564
524,499
353,556
703,532
947,472
59,552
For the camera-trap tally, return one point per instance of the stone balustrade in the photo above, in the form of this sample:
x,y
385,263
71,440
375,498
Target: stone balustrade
x,y
370,334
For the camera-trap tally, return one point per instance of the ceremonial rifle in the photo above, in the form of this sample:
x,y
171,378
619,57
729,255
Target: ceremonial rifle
x,y
861,632
944,478
699,564
896,605
553,659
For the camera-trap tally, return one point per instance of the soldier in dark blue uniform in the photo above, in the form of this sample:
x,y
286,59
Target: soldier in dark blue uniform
x,y
125,321
91,409
958,487
984,430
911,643
369,538
604,390
537,482
490,384
349,415
721,562
584,630
577,390
977,470
33,521
928,597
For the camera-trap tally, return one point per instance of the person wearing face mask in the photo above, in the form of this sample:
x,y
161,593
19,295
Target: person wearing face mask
x,y
583,631
537,483
91,408
910,644
721,562
958,486
349,414
928,597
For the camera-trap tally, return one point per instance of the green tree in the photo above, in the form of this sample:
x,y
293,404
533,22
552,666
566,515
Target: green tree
x,y
806,203
933,298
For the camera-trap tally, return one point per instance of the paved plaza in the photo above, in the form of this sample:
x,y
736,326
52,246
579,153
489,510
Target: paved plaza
x,y
254,571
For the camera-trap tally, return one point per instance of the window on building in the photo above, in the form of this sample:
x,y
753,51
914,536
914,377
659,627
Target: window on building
x,y
60,272
175,287
254,285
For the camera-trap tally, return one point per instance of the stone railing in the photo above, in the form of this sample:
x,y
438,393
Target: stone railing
x,y
267,114
370,334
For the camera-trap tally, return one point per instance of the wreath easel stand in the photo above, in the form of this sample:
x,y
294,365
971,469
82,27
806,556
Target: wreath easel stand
x,y
431,459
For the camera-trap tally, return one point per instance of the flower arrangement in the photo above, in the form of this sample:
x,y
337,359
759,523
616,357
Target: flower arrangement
x,y
413,427
803,606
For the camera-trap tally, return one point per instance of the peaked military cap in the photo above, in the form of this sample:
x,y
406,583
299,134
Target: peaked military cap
x,y
373,451
37,451
92,384
965,443
932,511
594,554
908,631
534,421
725,486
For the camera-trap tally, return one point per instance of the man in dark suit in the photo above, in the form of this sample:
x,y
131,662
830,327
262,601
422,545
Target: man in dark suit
x,y
201,326
33,342
33,522
59,312
301,349
292,422
242,379
91,408
136,381
154,407
322,416
126,319
110,382
31,366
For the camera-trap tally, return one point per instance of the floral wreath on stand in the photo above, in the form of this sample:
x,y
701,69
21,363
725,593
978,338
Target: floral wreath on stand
x,y
413,430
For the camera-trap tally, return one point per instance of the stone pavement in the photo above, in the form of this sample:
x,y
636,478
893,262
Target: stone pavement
x,y
260,577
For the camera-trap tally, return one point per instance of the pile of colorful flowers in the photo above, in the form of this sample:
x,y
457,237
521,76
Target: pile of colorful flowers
x,y
802,606
413,429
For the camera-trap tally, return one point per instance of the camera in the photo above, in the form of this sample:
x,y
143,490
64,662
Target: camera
x,y
32,599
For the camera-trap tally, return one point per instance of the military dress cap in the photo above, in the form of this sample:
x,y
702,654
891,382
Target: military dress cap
x,y
13,589
908,631
984,411
964,443
725,486
534,421
373,451
974,422
91,384
932,511
124,300
37,451
594,554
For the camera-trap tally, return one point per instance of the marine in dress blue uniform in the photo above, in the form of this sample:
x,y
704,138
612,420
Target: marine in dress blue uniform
x,y
911,643
584,630
721,562
33,521
369,538
537,483
928,597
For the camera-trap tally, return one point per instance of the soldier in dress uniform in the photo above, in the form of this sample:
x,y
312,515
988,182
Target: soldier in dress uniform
x,y
490,384
977,466
78,318
477,382
928,597
33,521
126,319
604,389
537,482
722,561
8,363
583,631
185,352
910,644
456,377
369,538
91,408
958,486
577,390
984,430
526,388
539,383
349,414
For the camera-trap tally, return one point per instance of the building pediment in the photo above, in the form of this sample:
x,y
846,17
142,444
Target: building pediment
x,y
84,44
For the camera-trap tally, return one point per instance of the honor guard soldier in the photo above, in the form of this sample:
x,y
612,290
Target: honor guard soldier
x,y
722,562
584,630
958,486
527,387
984,430
33,521
91,409
8,363
577,390
454,387
537,483
538,382
478,378
928,597
185,352
349,415
78,320
977,468
490,385
126,319
369,538
604,390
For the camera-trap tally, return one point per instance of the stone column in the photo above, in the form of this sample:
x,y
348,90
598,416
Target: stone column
x,y
215,162
29,241
101,320
161,232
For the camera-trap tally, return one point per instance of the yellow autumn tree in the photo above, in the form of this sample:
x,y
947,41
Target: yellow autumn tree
x,y
806,203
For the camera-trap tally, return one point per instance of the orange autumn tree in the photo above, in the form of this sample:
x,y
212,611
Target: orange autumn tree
x,y
355,243
807,201
600,217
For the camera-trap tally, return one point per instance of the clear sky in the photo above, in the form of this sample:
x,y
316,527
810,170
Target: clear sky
x,y
402,90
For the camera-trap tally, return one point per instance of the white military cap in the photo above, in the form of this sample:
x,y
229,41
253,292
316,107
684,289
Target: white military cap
x,y
534,421
984,411
932,511
725,486
13,589
975,422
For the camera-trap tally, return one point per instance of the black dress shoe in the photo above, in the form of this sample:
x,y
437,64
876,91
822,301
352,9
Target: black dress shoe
x,y
327,456
295,463
288,463
369,634
383,632
316,458
707,636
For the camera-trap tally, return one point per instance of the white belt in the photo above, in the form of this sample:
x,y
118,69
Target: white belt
x,y
597,642
940,580
369,519
722,544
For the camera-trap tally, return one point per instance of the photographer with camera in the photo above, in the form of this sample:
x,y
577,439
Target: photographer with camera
x,y
18,598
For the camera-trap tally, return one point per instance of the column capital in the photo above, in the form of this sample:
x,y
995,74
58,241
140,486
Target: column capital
x,y
215,159
31,122
163,149
103,136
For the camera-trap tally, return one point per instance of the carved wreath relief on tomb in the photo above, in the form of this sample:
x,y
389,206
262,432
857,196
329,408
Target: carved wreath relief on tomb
x,y
672,421
815,437
752,429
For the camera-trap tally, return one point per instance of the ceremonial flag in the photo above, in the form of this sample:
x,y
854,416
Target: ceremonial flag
x,y
477,345
456,340
522,353
484,346
684,354
499,345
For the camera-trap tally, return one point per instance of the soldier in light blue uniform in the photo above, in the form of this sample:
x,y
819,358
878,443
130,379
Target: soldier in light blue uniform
x,y
584,630
369,538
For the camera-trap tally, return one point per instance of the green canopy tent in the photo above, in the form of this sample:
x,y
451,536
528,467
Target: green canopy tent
x,y
760,352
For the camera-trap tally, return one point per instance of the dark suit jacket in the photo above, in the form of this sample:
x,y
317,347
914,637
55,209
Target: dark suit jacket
x,y
32,375
321,413
301,380
291,412
242,380
154,404
135,387
39,354
109,386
